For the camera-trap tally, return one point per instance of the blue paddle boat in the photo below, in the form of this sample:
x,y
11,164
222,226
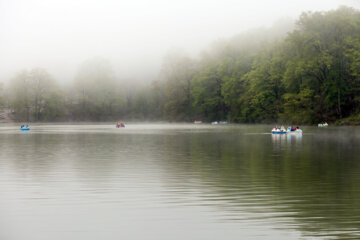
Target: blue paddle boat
x,y
294,131
289,130
277,130
24,128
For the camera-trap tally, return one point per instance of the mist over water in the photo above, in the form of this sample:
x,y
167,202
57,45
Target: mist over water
x,y
178,181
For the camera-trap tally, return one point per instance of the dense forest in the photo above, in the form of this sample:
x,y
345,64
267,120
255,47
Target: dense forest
x,y
302,74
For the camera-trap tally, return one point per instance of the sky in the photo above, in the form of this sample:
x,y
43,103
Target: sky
x,y
133,35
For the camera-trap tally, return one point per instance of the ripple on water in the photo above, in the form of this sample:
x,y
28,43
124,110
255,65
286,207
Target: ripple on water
x,y
178,181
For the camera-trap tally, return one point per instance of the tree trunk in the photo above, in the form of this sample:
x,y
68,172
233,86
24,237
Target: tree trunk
x,y
339,104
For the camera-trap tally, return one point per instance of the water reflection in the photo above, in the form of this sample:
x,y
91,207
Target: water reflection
x,y
180,179
279,139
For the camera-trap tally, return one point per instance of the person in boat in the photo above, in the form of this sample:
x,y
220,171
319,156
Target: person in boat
x,y
22,126
120,125
292,128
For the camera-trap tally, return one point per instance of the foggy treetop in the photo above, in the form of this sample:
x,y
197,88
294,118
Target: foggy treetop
x,y
58,35
307,73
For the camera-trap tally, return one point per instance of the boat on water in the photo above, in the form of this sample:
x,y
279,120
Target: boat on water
x,y
325,124
223,122
296,130
197,122
24,128
215,123
289,130
120,125
278,130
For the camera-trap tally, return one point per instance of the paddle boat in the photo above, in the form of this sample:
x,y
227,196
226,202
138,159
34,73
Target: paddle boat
x,y
215,123
277,130
289,130
296,130
223,122
24,128
119,125
197,122
325,124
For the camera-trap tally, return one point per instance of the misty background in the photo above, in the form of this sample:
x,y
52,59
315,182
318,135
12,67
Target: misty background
x,y
134,36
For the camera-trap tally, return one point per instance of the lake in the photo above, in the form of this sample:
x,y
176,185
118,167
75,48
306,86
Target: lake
x,y
178,181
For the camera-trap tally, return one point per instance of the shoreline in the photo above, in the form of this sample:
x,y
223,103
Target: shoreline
x,y
335,124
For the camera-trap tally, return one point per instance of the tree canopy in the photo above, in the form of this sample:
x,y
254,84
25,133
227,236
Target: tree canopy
x,y
307,73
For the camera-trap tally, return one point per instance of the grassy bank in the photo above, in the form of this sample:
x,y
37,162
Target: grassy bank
x,y
352,120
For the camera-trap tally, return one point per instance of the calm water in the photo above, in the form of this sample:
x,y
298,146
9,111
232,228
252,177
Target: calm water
x,y
152,181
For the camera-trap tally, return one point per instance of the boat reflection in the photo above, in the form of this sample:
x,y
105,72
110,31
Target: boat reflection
x,y
290,139
293,138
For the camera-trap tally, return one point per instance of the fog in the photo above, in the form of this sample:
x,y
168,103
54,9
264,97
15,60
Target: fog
x,y
134,36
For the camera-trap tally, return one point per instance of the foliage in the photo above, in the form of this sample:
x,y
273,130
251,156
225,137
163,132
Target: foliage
x,y
33,96
309,77
307,74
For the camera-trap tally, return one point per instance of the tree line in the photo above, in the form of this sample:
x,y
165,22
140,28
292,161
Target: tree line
x,y
304,74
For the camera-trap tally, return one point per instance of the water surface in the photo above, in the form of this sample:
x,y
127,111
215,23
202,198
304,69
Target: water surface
x,y
178,181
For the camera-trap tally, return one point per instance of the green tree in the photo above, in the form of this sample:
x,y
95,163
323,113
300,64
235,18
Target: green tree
x,y
208,95
97,93
31,96
176,75
266,87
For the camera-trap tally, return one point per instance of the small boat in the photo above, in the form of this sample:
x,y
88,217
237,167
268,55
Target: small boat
x,y
323,124
223,122
294,131
214,123
119,125
25,128
277,130
197,122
